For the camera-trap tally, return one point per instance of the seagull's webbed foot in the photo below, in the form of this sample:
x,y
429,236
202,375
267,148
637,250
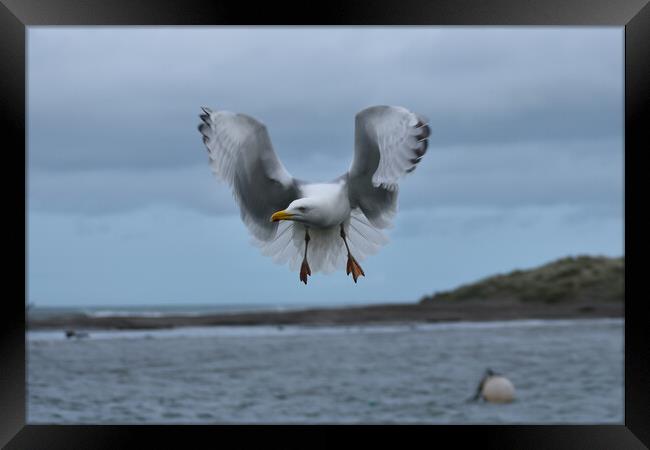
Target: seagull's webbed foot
x,y
305,271
354,268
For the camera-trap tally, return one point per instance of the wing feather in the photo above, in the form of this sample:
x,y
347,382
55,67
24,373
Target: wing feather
x,y
241,154
390,142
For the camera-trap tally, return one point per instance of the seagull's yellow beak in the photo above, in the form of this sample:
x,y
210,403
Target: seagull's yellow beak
x,y
281,215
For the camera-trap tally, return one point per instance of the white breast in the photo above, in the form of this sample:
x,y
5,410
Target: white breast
x,y
332,200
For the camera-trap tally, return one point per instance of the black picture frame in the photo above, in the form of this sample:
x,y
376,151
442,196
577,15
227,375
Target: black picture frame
x,y
16,15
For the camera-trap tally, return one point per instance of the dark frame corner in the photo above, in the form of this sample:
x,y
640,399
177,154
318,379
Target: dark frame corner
x,y
634,15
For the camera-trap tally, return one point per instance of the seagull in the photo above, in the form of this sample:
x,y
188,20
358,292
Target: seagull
x,y
317,225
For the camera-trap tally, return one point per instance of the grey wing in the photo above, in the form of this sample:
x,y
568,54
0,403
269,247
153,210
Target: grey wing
x,y
241,154
389,143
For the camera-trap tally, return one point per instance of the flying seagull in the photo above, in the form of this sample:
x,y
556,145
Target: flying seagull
x,y
317,224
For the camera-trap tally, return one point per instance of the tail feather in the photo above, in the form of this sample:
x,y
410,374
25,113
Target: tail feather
x,y
326,252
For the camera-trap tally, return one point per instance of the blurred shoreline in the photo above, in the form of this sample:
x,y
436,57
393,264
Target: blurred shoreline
x,y
568,288
426,312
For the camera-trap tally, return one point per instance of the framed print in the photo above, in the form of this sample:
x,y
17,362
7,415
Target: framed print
x,y
400,218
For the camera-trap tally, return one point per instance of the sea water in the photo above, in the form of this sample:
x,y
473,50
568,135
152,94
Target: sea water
x,y
564,372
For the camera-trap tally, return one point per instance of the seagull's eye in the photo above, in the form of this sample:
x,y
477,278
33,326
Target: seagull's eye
x,y
302,209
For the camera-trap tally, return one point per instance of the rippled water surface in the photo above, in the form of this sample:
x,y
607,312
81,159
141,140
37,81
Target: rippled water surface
x,y
563,371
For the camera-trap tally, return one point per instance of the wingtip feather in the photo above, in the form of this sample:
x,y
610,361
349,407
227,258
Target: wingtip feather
x,y
203,129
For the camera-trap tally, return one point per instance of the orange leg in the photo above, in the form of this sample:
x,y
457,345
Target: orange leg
x,y
304,268
352,266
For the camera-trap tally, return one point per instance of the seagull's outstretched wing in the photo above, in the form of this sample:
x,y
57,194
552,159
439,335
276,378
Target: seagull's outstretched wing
x,y
241,154
389,143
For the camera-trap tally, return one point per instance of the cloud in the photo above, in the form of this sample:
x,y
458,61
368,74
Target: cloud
x,y
113,191
519,116
512,175
538,173
129,98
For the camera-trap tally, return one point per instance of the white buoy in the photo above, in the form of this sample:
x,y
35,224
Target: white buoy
x,y
498,389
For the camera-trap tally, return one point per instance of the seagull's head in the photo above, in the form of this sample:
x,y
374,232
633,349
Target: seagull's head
x,y
305,210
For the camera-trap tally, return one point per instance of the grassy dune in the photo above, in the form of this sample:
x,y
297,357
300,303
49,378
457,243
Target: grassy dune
x,y
573,279
581,287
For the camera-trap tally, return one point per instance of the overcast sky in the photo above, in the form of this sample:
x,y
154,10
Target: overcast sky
x,y
525,161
